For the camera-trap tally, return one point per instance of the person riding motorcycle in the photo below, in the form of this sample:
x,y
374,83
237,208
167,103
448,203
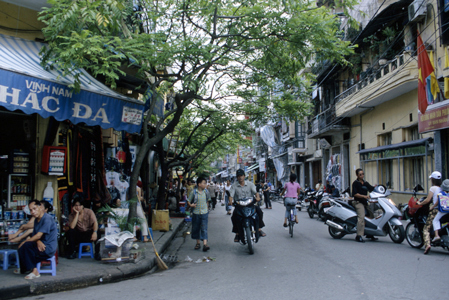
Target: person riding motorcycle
x,y
360,192
239,190
435,178
441,212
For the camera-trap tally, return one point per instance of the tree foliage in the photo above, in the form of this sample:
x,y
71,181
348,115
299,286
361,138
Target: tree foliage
x,y
246,54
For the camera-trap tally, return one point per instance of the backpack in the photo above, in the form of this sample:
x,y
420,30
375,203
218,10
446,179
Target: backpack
x,y
195,195
443,202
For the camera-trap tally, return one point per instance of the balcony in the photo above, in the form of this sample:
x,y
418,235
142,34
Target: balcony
x,y
326,124
395,78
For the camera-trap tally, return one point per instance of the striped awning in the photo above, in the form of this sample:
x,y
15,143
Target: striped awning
x,y
25,85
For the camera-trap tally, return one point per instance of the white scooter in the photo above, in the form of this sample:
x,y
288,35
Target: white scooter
x,y
343,218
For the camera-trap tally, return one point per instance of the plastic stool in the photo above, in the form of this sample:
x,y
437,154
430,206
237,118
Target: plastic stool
x,y
150,233
81,253
6,253
182,209
51,269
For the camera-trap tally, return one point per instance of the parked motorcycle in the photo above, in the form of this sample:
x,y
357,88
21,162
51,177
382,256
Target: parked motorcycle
x,y
417,214
248,222
343,218
301,203
315,198
325,204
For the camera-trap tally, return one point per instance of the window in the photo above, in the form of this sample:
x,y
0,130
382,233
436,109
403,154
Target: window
x,y
384,139
387,172
413,133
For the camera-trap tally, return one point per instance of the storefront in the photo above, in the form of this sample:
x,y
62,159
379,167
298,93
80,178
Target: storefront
x,y
50,134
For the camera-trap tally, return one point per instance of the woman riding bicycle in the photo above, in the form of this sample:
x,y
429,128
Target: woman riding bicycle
x,y
291,197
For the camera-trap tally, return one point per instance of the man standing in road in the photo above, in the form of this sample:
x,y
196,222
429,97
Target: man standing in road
x,y
212,188
241,189
266,195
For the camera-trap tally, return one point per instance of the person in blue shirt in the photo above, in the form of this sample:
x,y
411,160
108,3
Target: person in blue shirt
x,y
41,245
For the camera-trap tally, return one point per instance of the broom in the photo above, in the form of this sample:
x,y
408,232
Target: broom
x,y
160,263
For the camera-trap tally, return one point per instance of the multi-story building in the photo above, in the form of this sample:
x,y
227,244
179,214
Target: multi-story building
x,y
366,114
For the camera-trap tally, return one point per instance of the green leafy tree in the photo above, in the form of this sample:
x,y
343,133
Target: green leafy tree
x,y
248,53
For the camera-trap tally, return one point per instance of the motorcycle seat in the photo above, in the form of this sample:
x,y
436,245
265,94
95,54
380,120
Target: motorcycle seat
x,y
345,204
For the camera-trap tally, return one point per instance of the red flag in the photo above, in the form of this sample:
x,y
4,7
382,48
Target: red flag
x,y
427,82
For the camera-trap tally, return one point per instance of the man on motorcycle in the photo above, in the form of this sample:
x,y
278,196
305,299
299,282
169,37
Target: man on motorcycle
x,y
360,192
239,190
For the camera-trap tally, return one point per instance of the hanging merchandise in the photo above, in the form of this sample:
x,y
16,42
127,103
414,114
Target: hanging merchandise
x,y
267,133
333,171
49,193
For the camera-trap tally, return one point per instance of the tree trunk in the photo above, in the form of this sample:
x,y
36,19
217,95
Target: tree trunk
x,y
161,193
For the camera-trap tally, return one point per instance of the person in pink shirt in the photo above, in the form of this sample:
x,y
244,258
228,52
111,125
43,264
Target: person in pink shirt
x,y
291,197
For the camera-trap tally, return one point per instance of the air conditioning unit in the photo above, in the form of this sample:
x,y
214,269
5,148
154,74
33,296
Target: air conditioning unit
x,y
417,10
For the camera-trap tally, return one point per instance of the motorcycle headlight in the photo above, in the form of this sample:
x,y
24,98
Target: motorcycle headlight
x,y
392,202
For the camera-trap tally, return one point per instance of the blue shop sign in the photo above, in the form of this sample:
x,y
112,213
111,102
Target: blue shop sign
x,y
26,86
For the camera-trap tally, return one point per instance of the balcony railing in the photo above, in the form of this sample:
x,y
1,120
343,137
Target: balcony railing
x,y
323,120
371,75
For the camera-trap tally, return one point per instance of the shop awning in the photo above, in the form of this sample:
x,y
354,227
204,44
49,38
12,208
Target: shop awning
x,y
255,166
396,146
26,86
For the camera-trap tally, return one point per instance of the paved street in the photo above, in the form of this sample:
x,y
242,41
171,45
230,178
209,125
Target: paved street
x,y
311,265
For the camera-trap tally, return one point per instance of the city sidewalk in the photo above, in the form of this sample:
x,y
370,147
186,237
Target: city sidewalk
x,y
84,272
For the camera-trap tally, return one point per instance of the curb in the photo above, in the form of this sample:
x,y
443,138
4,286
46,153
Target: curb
x,y
96,276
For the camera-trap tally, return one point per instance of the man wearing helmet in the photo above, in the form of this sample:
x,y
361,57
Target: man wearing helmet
x,y
241,189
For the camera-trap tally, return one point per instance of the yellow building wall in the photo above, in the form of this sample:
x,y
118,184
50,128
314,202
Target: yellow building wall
x,y
20,22
41,180
396,116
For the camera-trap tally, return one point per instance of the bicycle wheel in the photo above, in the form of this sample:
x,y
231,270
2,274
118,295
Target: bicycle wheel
x,y
290,223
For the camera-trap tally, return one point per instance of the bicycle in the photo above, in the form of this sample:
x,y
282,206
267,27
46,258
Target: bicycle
x,y
291,219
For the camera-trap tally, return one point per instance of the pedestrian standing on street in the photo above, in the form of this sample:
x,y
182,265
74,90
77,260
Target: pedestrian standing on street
x,y
198,202
319,186
227,189
212,188
41,245
291,197
435,178
360,192
266,195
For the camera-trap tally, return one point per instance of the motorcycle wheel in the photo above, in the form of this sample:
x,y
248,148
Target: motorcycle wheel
x,y
249,241
414,239
335,233
398,234
322,215
310,211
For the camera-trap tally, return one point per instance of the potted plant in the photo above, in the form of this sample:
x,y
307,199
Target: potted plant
x,y
381,45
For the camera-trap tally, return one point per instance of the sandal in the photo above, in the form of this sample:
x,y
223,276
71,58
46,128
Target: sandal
x,y
17,272
262,234
205,248
197,246
427,250
236,239
32,276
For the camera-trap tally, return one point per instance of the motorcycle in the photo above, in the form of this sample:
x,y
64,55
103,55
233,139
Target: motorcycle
x,y
248,222
417,214
301,203
343,218
315,198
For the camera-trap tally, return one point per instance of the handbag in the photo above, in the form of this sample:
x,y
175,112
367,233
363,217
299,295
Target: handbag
x,y
443,202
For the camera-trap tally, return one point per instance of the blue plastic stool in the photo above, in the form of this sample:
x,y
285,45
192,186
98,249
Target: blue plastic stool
x,y
51,269
182,209
6,253
81,253
150,233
